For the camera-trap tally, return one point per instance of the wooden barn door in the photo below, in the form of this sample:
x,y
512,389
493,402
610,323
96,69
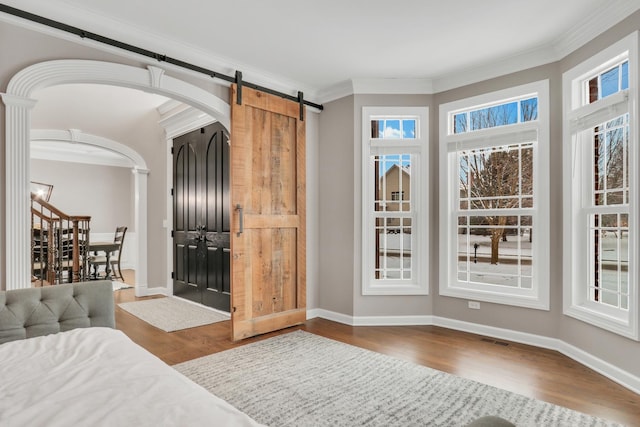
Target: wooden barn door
x,y
268,258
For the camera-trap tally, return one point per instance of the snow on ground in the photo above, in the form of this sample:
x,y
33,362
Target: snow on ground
x,y
514,268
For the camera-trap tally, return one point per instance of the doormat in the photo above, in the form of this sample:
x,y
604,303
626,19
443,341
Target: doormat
x,y
172,313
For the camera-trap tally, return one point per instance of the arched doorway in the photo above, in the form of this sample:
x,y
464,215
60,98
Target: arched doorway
x,y
129,158
19,104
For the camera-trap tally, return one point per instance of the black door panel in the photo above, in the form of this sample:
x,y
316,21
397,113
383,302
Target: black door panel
x,y
201,217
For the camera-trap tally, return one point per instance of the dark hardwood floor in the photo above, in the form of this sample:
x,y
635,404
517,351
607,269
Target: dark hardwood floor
x,y
534,372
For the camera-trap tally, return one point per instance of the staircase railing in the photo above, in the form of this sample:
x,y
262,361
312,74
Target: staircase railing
x,y
59,244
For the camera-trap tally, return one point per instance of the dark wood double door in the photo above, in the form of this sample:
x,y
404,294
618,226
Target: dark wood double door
x,y
201,220
239,229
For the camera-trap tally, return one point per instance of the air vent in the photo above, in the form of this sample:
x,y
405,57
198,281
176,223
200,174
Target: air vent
x,y
492,341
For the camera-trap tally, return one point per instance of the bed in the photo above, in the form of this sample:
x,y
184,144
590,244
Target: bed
x,y
62,363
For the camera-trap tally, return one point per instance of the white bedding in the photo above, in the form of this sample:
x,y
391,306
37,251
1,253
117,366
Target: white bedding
x,y
99,377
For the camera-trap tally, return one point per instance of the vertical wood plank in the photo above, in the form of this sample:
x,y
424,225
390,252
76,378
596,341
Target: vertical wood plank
x,y
301,210
268,258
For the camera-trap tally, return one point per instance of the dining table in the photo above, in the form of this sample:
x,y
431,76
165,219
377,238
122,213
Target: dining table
x,y
108,248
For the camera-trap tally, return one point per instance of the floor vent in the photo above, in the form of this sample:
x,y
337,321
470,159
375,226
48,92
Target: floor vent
x,y
492,341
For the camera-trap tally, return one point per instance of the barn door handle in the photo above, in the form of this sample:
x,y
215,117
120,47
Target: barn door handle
x,y
241,219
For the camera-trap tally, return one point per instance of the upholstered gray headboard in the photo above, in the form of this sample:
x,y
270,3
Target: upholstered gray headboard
x,y
26,313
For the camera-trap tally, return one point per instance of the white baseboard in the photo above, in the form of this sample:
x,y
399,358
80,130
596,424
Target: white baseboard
x,y
330,315
499,333
603,367
144,291
370,320
620,376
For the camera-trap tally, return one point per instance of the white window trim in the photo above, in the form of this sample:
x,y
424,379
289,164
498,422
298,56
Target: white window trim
x,y
538,296
576,117
419,197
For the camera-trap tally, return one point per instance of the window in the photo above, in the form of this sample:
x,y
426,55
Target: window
x,y
397,195
494,215
601,209
502,114
394,201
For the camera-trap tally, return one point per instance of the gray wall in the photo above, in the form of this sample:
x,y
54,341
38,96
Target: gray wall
x,y
335,198
103,192
336,218
619,351
312,120
503,316
340,218
377,305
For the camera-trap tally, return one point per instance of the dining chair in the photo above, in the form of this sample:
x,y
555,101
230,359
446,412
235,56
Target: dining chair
x,y
118,238
114,260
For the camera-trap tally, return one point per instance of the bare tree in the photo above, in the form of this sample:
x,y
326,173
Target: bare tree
x,y
490,177
610,162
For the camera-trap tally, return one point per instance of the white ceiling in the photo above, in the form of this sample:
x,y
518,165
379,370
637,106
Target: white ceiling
x,y
321,47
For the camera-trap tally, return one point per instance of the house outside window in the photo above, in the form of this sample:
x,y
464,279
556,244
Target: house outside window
x,y
398,195
394,201
494,207
602,187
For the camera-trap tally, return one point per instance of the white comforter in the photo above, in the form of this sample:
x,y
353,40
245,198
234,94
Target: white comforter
x,y
99,377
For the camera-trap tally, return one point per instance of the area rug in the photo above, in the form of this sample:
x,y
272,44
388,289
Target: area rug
x,y
172,314
301,379
119,285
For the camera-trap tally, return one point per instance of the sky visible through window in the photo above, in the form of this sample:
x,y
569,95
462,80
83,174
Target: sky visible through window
x,y
393,128
508,113
609,82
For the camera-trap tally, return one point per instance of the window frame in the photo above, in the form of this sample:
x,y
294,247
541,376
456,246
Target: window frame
x,y
450,144
418,148
578,116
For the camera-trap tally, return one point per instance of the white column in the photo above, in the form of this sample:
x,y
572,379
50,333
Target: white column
x,y
17,201
140,207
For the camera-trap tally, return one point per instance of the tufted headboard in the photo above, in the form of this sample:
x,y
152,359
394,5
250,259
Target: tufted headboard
x,y
26,313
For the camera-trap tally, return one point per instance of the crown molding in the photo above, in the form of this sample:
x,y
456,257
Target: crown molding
x,y
501,67
52,153
383,86
336,91
592,26
595,24
179,121
393,86
170,105
71,146
18,101
603,18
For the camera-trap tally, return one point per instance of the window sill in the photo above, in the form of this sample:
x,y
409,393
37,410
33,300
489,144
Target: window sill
x,y
618,325
394,290
517,300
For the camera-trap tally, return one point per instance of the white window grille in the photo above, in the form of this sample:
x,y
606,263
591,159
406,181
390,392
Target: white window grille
x,y
602,187
494,213
394,201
